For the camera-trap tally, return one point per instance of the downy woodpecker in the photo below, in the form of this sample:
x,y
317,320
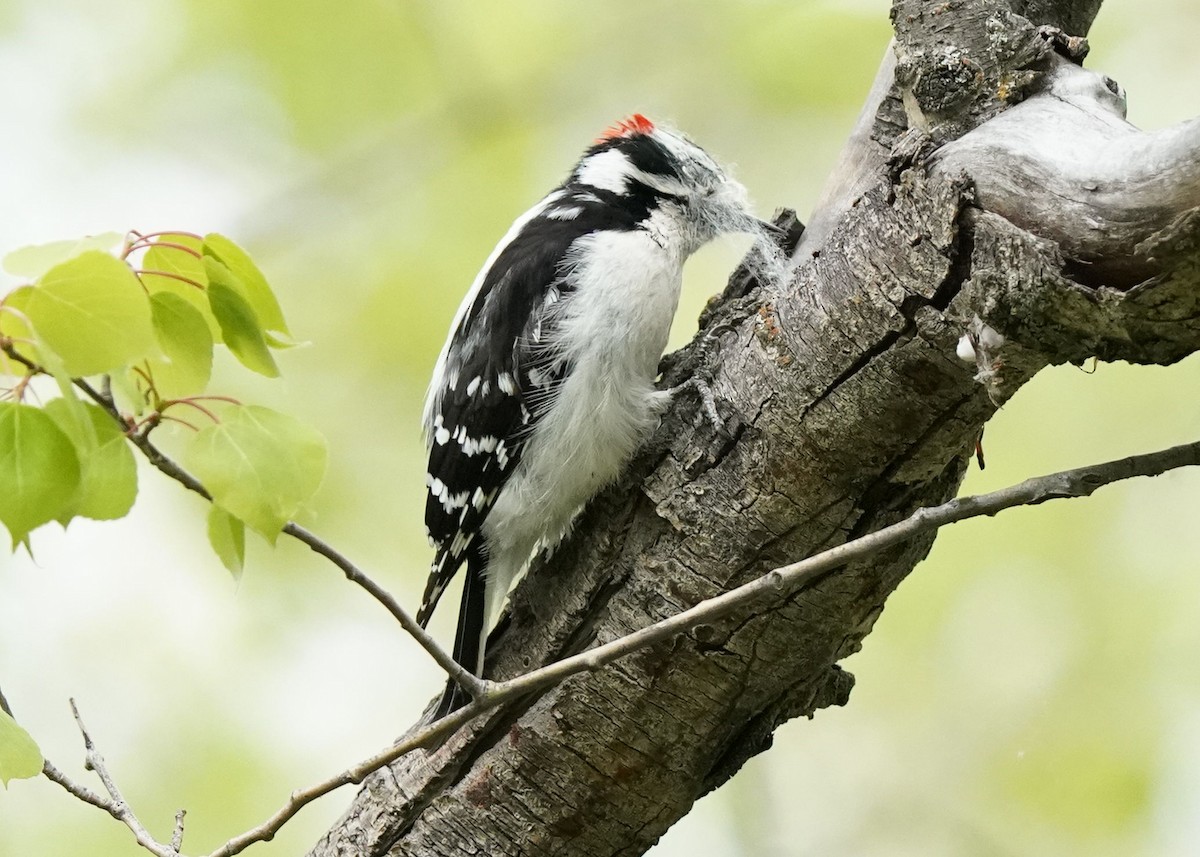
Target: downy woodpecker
x,y
545,387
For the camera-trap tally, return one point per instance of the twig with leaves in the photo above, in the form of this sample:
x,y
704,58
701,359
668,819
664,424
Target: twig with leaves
x,y
162,462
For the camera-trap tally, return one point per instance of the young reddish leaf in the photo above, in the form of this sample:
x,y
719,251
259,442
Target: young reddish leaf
x,y
239,325
20,757
39,470
259,465
92,312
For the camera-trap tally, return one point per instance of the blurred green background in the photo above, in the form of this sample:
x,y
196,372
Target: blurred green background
x,y
1031,690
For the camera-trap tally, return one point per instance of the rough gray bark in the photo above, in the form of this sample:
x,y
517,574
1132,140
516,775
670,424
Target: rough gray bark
x,y
847,410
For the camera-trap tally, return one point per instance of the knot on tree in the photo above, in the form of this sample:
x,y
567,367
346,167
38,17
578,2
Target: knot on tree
x,y
942,81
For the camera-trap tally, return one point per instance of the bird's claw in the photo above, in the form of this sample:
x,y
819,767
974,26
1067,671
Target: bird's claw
x,y
708,402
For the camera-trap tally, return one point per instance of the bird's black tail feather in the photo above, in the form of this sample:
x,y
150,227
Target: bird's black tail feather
x,y
468,640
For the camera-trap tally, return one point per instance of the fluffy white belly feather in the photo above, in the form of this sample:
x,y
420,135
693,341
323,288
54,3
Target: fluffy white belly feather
x,y
606,406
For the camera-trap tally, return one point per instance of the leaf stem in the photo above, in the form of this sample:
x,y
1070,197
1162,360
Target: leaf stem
x,y
142,272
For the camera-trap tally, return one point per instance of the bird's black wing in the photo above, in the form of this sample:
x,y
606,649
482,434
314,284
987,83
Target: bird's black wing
x,y
496,381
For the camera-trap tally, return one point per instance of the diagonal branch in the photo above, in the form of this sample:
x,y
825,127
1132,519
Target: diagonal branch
x,y
783,582
166,465
473,685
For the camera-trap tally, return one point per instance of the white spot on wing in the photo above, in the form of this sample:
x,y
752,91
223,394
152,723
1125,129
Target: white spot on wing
x,y
507,384
473,386
438,587
440,434
441,491
487,443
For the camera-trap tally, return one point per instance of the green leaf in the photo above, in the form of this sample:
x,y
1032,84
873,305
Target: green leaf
x,y
259,465
36,260
256,290
72,418
227,535
91,311
186,344
14,324
39,470
180,263
20,757
239,325
109,473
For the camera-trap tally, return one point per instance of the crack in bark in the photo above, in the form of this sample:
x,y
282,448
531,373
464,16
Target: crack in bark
x,y
883,494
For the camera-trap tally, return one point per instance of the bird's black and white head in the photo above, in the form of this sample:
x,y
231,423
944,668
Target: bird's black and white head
x,y
659,174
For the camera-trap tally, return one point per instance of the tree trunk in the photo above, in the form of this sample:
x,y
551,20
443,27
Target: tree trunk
x,y
1017,201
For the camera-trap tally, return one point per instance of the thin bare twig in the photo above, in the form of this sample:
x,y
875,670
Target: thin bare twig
x,y
116,805
80,791
474,685
177,834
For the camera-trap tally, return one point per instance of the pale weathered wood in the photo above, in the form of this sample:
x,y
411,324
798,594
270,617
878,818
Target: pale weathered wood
x,y
1066,165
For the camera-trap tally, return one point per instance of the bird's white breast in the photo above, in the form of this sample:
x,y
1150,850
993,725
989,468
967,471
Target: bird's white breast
x,y
614,327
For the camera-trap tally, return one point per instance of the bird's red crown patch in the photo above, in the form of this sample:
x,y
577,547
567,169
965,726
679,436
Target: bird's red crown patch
x,y
635,124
